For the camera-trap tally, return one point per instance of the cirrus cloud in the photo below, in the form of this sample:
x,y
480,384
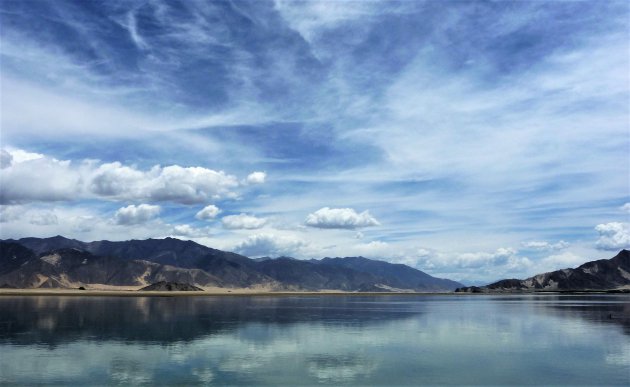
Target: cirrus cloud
x,y
546,246
344,218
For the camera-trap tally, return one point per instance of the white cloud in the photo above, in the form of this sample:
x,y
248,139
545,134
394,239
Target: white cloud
x,y
243,221
20,155
613,236
34,177
256,178
186,185
38,179
133,214
626,208
258,245
559,261
483,265
345,218
545,246
79,221
186,230
208,212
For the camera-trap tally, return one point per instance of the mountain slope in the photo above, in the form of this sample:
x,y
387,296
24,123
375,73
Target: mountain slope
x,y
603,274
393,275
73,268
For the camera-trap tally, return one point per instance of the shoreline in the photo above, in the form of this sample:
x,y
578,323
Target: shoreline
x,y
265,293
227,293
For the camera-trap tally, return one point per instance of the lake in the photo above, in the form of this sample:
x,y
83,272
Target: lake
x,y
289,340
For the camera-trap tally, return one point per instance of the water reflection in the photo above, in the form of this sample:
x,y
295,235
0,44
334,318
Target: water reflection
x,y
55,320
397,340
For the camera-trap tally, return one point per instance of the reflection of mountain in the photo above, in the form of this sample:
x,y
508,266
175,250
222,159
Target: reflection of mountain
x,y
62,262
56,320
603,274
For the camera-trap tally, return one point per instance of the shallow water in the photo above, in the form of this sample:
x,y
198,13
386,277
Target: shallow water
x,y
384,340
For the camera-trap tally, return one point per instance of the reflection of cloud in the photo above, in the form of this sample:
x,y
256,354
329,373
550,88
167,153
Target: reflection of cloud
x,y
339,368
128,372
205,375
279,340
620,358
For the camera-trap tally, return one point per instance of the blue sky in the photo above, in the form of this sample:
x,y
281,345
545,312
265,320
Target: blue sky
x,y
473,140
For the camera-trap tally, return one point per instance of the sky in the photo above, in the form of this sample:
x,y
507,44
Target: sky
x,y
473,140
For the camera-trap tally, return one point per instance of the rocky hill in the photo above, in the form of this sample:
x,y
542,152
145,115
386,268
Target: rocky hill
x,y
603,274
62,262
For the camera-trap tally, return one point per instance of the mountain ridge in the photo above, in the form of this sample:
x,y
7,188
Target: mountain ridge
x,y
63,262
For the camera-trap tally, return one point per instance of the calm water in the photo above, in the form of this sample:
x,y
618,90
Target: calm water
x,y
336,340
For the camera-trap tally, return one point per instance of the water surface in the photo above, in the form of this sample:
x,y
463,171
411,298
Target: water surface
x,y
384,340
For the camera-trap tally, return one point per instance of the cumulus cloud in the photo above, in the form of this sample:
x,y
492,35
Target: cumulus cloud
x,y
613,236
243,221
259,245
186,185
344,218
36,179
133,214
546,246
208,212
256,178
33,177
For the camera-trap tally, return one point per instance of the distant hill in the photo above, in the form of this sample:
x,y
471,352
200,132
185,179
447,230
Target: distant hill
x,y
393,275
62,262
603,274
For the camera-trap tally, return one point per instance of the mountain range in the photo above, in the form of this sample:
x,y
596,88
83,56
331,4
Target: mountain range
x,y
603,274
60,262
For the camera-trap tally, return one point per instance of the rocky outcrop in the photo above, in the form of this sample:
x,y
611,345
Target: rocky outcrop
x,y
164,286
